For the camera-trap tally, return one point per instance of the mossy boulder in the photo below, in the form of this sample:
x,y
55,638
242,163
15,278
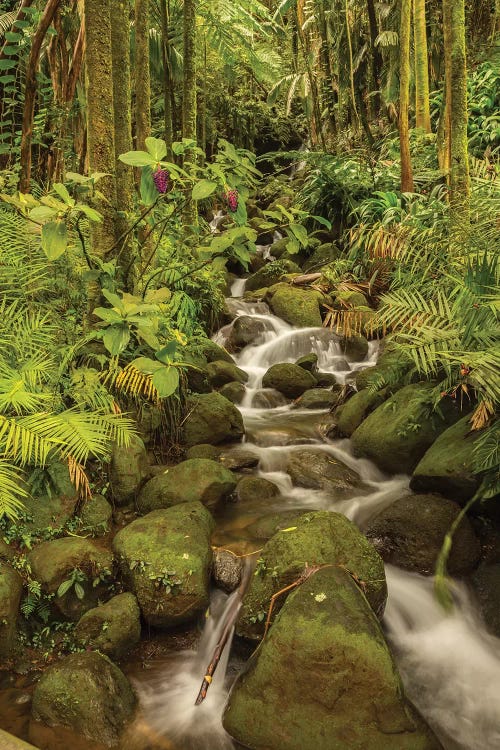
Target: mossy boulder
x,y
211,418
308,362
318,398
227,570
410,534
245,330
355,348
324,678
325,379
96,516
204,450
220,373
397,434
447,466
251,489
128,469
486,587
271,274
391,365
351,414
88,694
239,458
53,563
213,352
165,560
268,525
112,628
196,375
319,538
49,508
318,470
351,299
279,247
195,479
326,253
234,392
11,588
299,307
289,379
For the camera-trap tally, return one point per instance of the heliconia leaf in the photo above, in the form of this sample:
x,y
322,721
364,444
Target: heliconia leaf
x,y
54,239
138,159
116,338
165,355
203,189
156,147
166,380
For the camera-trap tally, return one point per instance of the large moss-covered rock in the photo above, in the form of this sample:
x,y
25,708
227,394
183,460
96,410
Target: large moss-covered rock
x,y
213,352
486,586
318,398
128,469
251,489
195,479
324,678
49,508
289,379
11,587
88,694
355,348
53,563
299,307
211,418
96,516
204,450
447,466
165,559
318,470
112,628
322,256
245,330
317,538
391,365
220,373
411,531
271,274
397,434
234,392
351,414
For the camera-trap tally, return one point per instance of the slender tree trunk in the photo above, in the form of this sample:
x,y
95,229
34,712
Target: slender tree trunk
x,y
351,64
189,92
30,93
455,61
142,73
404,97
328,95
167,76
376,59
422,104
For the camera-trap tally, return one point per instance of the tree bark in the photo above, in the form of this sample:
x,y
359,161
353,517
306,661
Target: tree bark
x,y
377,62
422,104
189,88
167,77
404,97
142,74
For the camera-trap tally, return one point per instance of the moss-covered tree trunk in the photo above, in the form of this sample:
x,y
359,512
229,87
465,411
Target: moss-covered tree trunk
x,y
422,105
376,57
167,76
189,83
142,73
404,97
456,103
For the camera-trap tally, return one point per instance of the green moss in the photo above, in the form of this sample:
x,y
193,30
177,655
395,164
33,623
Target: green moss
x,y
11,587
351,414
211,418
112,628
270,274
299,307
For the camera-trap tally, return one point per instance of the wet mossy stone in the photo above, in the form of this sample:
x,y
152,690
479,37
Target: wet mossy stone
x,y
324,678
279,247
319,538
227,570
220,373
269,525
245,331
447,467
204,450
398,433
351,414
96,516
198,479
325,379
49,508
239,458
391,366
322,256
271,274
289,379
11,588
486,587
351,298
355,348
318,470
234,392
129,467
211,418
197,375
213,352
318,398
251,489
410,534
53,563
165,560
86,693
299,307
112,628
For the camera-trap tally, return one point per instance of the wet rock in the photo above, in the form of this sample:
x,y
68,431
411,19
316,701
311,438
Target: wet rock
x,y
325,379
268,526
96,516
234,392
318,398
245,330
391,365
237,459
271,274
251,489
319,470
194,479
268,399
204,450
411,531
279,247
324,678
53,509
355,348
486,586
320,538
350,415
447,466
128,469
53,563
350,298
326,253
397,434
299,307
220,373
211,418
112,628
11,588
309,362
165,560
227,570
213,352
197,375
289,379
88,694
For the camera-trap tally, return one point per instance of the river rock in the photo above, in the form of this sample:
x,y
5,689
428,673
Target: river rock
x,y
211,418
289,379
299,307
397,434
391,367
204,450
324,678
326,253
486,586
53,563
319,470
213,352
220,373
128,469
447,466
165,560
318,398
96,516
350,415
271,274
227,570
195,479
355,348
269,525
11,588
245,331
112,628
308,362
234,392
86,693
319,538
49,508
251,489
325,379
411,531
197,375
237,459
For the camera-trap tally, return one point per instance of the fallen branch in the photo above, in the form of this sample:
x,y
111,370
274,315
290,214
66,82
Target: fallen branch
x,y
306,278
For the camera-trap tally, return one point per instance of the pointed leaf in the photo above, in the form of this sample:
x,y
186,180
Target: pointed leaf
x,y
203,189
138,159
54,239
166,380
116,338
156,147
166,354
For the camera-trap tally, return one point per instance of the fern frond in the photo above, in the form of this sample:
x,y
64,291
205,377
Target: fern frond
x,y
12,492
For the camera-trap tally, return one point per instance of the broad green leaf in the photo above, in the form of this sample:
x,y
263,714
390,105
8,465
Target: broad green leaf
x,y
158,296
114,299
62,192
156,147
54,239
240,216
116,338
147,334
90,213
149,193
324,222
166,380
203,189
138,159
108,314
292,246
146,365
221,243
299,232
42,214
64,587
79,591
166,354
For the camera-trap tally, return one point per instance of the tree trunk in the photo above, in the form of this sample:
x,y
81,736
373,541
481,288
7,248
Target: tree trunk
x,y
167,77
142,74
404,97
422,105
189,93
377,62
